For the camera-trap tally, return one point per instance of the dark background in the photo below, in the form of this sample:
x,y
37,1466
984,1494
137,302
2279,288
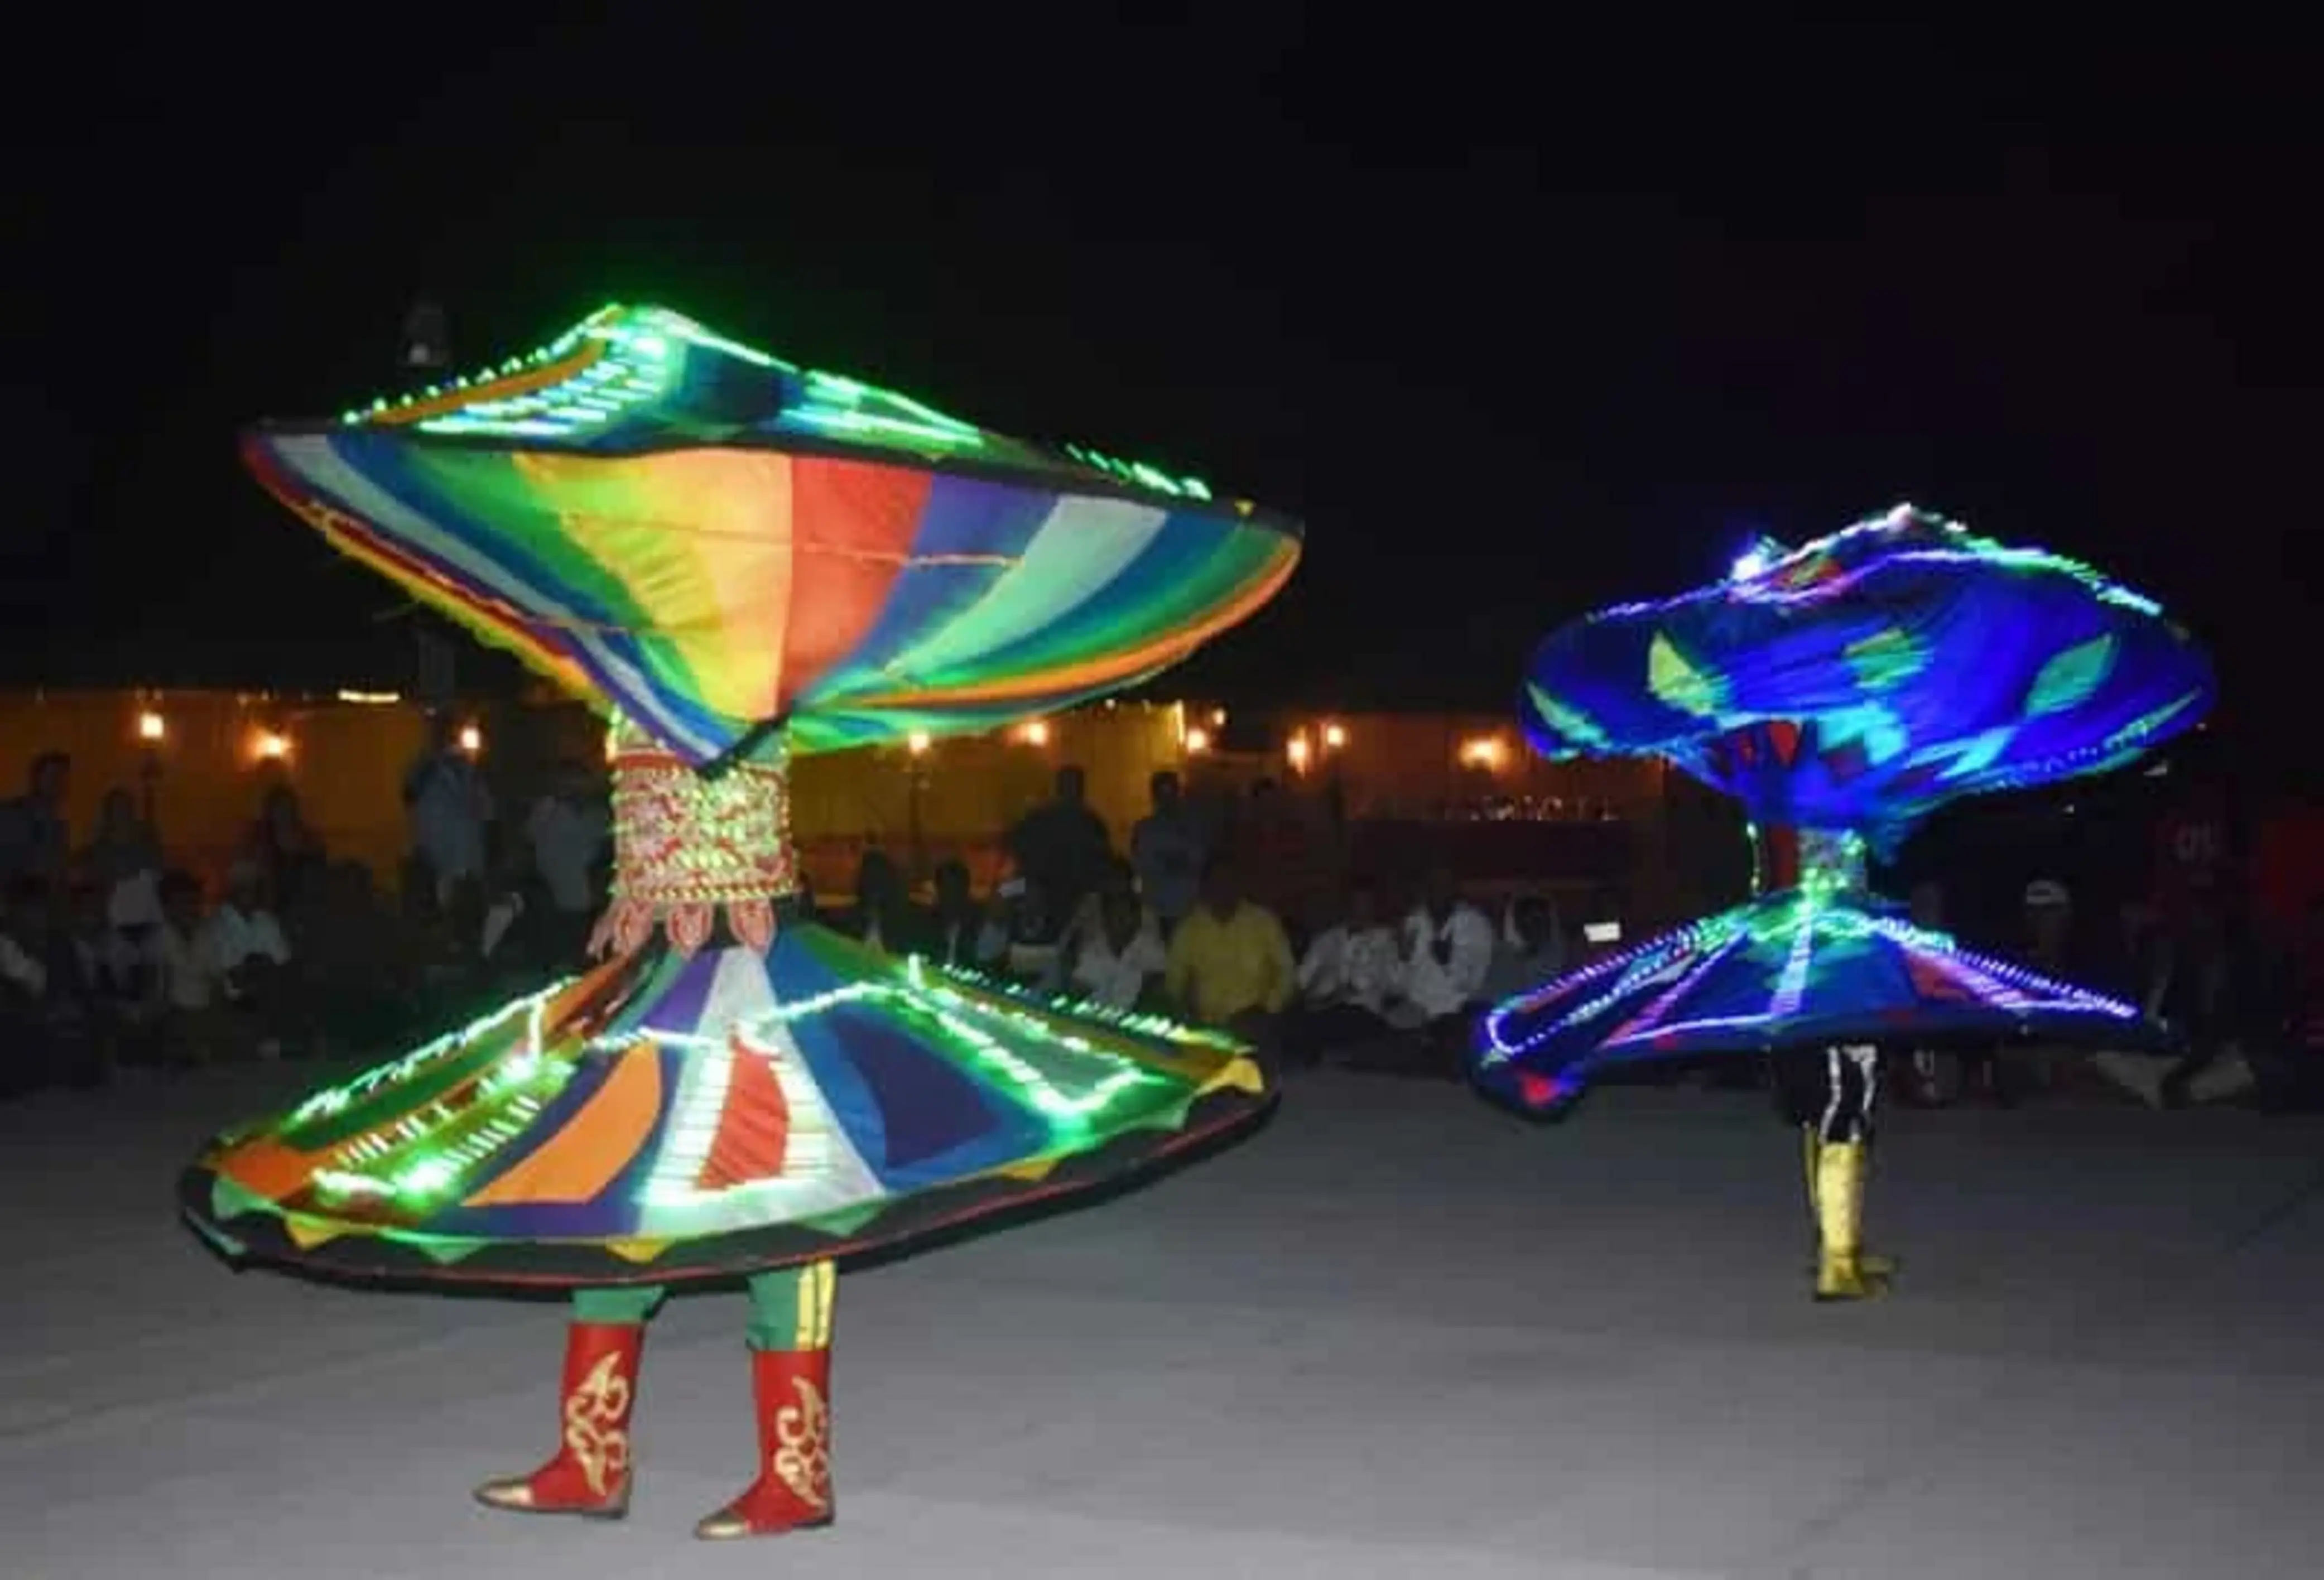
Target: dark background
x,y
1519,317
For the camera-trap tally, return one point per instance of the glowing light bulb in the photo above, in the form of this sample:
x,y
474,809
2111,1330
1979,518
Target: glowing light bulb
x,y
1483,751
1036,733
1334,738
1748,565
152,726
1299,751
917,742
271,746
1198,739
1218,718
472,740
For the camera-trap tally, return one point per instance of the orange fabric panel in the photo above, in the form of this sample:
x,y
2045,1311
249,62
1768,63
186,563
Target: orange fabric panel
x,y
268,1168
594,1146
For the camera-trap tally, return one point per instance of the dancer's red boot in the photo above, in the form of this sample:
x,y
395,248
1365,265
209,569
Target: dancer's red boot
x,y
792,1391
589,1474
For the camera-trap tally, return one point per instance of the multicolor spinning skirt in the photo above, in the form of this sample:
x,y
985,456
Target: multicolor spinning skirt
x,y
1785,972
675,1116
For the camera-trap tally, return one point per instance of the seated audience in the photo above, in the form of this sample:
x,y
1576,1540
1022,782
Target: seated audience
x,y
1230,963
1346,978
1530,951
1446,948
1117,960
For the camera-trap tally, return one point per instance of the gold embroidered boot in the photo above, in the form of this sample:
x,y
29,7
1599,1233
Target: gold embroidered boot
x,y
1872,1264
589,1474
1842,1274
792,1391
790,1387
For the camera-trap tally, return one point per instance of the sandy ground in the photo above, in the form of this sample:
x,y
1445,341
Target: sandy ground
x,y
1396,1334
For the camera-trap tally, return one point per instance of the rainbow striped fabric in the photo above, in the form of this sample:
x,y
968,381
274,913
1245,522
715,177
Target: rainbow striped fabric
x,y
674,1116
708,538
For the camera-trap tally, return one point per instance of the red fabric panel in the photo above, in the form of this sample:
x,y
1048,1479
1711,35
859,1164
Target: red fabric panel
x,y
852,525
754,1126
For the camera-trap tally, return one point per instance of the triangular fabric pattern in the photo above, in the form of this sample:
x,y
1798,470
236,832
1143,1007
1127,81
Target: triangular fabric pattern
x,y
753,1123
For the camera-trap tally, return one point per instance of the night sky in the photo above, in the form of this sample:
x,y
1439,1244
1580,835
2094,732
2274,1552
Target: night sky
x,y
1517,320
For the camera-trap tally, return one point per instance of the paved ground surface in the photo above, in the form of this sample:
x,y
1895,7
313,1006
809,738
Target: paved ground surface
x,y
1394,1335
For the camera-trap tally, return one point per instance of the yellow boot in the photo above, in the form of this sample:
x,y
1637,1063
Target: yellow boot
x,y
1842,1274
1869,1264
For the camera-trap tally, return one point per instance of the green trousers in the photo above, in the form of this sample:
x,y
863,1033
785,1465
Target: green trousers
x,y
791,1308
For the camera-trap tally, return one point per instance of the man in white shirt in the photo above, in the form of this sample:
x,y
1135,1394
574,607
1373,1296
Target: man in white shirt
x,y
241,938
1120,959
1447,950
1347,977
244,956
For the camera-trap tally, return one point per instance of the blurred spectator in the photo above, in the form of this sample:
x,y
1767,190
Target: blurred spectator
x,y
568,831
24,984
356,963
956,924
1230,964
449,808
883,914
1346,977
1061,847
1530,951
34,835
247,958
1447,947
1118,961
1167,848
124,860
1272,851
76,1020
183,988
286,850
2207,988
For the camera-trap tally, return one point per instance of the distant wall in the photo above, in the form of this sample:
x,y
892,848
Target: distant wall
x,y
346,761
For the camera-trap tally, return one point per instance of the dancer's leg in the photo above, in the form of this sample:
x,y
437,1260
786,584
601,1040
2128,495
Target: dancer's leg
x,y
1842,1137
790,1339
589,1474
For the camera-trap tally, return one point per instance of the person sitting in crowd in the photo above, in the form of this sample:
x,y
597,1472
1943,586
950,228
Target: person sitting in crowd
x,y
957,932
24,984
1350,972
184,1000
2205,987
1530,951
1446,948
1117,959
883,916
1025,940
247,957
356,964
1230,963
124,860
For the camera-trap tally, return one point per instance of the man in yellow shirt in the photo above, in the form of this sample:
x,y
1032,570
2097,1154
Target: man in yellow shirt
x,y
1230,964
